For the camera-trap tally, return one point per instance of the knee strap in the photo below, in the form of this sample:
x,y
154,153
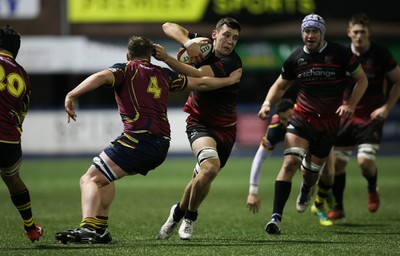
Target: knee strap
x,y
204,154
207,153
295,151
310,166
103,167
367,151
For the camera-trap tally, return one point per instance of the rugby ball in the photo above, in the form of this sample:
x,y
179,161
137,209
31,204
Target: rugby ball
x,y
206,49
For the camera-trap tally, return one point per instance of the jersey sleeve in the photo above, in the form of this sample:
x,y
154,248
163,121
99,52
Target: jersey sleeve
x,y
118,72
353,65
287,71
179,82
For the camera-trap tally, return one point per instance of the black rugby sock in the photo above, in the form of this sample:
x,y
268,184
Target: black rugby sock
x,y
281,195
338,190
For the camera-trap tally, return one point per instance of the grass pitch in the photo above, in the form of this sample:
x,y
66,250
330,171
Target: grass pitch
x,y
224,227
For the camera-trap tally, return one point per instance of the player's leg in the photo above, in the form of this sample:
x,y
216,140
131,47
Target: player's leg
x,y
342,157
315,164
99,175
107,194
366,160
10,162
205,149
310,169
327,176
176,212
293,155
20,197
324,191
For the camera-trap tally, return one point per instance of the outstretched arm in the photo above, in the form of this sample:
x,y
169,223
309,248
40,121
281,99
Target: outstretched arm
x,y
208,83
89,84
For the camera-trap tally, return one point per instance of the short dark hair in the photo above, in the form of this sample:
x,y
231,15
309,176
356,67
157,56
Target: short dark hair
x,y
230,22
283,105
10,40
139,46
360,18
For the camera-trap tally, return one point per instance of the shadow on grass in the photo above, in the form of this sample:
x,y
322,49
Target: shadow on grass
x,y
143,243
378,229
361,225
241,242
62,247
367,233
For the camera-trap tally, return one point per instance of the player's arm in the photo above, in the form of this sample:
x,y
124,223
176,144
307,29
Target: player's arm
x,y
253,200
25,106
361,84
394,94
275,93
181,35
207,83
89,84
271,138
180,67
176,32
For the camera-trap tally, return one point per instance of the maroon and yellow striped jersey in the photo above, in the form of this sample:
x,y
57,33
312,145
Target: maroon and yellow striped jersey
x,y
141,92
15,92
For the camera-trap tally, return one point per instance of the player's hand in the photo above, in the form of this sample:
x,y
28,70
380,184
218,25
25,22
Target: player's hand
x,y
380,114
70,108
194,52
263,114
236,75
159,52
345,111
253,202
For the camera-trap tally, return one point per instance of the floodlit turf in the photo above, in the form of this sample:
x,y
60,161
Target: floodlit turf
x,y
225,226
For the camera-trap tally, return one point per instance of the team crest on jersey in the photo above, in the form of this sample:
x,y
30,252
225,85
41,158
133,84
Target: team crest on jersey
x,y
301,62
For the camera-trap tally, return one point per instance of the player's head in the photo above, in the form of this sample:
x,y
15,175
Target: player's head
x,y
360,18
314,21
359,31
230,22
10,40
284,109
139,47
225,35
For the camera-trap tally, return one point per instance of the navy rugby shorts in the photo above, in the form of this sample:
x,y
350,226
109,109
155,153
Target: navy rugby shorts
x,y
9,154
148,153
